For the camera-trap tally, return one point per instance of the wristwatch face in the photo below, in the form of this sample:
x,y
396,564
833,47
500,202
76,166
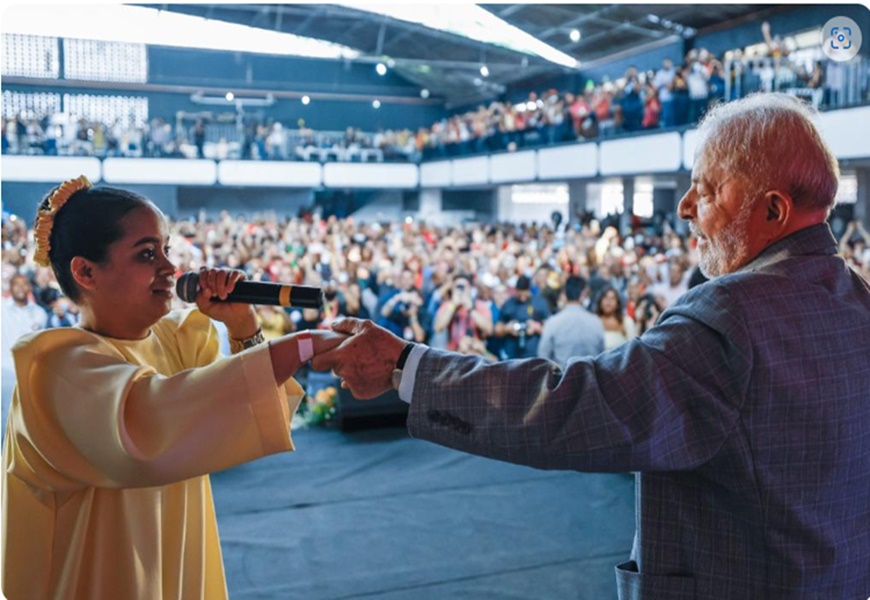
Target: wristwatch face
x,y
397,378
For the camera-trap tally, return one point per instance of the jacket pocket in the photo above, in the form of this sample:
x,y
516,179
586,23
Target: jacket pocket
x,y
632,585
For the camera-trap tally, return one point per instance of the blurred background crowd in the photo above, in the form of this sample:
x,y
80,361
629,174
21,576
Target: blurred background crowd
x,y
475,288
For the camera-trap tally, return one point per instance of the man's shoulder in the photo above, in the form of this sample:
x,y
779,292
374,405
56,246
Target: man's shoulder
x,y
509,304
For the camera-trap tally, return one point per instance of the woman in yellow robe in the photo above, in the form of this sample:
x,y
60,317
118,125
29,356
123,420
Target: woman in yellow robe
x,y
115,424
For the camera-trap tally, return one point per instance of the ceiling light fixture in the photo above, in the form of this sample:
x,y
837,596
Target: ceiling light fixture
x,y
306,100
376,104
575,35
381,69
484,71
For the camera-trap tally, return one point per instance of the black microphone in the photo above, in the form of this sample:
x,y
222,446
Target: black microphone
x,y
256,292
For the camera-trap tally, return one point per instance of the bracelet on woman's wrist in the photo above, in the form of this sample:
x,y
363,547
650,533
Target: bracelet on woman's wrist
x,y
305,345
239,345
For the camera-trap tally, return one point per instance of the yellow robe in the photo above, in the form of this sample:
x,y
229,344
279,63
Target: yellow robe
x,y
108,447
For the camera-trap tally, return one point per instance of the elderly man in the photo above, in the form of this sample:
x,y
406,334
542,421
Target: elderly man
x,y
746,409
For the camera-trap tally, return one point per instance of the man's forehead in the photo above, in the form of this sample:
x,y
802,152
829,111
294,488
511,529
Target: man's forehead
x,y
706,165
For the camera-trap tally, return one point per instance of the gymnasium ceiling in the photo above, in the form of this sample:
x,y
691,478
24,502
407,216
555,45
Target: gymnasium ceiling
x,y
449,64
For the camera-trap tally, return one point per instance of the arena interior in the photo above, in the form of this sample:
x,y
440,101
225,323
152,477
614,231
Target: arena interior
x,y
403,161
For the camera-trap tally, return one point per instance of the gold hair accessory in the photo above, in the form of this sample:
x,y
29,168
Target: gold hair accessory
x,y
45,218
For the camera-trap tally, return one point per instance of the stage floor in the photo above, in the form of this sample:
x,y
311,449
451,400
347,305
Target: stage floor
x,y
376,514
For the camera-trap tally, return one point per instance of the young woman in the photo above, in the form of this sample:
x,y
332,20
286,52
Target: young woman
x,y
618,327
115,424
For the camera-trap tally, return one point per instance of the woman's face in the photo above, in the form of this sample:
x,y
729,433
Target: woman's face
x,y
609,303
133,287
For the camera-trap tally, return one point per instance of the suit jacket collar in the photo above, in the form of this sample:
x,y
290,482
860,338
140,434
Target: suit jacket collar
x,y
814,240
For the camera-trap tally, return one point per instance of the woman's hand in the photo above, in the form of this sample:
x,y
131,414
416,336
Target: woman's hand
x,y
325,340
240,319
284,351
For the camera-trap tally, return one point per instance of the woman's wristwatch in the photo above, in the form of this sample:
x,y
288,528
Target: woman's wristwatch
x,y
237,346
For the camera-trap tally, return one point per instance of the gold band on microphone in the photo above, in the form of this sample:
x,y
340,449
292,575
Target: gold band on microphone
x,y
284,295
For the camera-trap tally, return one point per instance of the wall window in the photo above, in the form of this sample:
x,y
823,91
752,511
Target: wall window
x,y
30,105
847,192
643,198
106,109
30,56
94,60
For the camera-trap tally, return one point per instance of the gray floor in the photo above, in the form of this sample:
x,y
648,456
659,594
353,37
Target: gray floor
x,y
376,514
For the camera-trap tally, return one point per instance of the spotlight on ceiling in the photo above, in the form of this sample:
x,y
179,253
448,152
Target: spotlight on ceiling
x,y
306,100
424,93
381,69
484,71
391,63
575,35
229,96
376,104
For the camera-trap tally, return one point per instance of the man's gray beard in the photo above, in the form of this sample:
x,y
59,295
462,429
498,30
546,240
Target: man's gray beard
x,y
729,249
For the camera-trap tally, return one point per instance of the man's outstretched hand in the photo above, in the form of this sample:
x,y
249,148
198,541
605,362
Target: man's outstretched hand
x,y
365,360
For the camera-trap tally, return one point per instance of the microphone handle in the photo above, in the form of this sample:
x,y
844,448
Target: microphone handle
x,y
257,292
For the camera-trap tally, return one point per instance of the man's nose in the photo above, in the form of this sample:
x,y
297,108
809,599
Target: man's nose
x,y
686,207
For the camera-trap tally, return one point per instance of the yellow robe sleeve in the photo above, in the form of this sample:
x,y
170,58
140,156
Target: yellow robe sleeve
x,y
88,417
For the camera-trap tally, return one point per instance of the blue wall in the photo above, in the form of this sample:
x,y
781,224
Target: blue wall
x,y
211,67
238,71
22,198
246,201
175,201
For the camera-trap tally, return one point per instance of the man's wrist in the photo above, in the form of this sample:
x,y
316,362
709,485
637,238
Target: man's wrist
x,y
403,355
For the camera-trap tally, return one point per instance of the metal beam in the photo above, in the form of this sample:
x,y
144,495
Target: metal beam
x,y
259,15
312,15
649,46
356,25
609,33
577,21
382,31
510,10
632,27
216,91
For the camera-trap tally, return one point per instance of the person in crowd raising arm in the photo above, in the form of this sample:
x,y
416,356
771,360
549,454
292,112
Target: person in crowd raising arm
x,y
115,424
744,411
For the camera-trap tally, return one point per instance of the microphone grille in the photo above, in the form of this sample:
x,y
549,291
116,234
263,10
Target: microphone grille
x,y
185,287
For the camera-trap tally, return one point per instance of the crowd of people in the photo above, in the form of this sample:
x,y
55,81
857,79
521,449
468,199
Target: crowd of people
x,y
671,96
489,290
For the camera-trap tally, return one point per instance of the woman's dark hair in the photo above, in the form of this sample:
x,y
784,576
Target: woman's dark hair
x,y
643,318
620,305
86,226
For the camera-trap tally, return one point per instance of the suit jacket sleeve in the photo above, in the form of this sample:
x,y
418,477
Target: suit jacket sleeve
x,y
665,401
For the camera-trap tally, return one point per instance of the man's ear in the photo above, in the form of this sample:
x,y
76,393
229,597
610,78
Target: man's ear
x,y
83,273
779,206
